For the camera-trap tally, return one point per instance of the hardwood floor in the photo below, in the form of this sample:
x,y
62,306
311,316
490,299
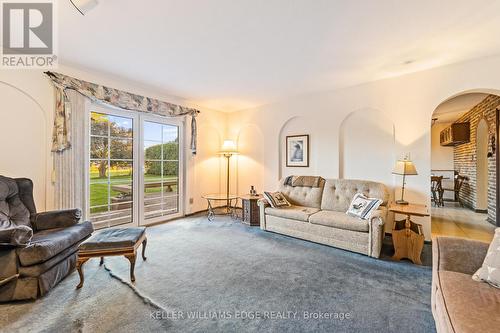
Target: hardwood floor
x,y
453,220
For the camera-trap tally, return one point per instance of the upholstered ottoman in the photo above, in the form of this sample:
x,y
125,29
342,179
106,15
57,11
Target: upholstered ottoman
x,y
112,242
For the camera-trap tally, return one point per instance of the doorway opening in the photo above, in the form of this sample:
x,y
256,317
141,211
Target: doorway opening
x,y
464,166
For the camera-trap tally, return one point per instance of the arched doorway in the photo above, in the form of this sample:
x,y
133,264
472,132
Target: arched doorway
x,y
463,157
482,137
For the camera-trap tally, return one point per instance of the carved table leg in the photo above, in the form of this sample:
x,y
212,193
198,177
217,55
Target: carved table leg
x,y
79,266
131,258
144,242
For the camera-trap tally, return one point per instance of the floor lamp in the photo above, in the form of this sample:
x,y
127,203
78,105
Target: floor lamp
x,y
228,150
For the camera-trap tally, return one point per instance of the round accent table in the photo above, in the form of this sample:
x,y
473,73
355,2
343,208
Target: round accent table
x,y
229,209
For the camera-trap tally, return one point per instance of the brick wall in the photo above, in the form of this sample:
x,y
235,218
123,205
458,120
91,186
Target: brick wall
x,y
464,155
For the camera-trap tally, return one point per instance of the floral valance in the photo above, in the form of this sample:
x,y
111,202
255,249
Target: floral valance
x,y
61,138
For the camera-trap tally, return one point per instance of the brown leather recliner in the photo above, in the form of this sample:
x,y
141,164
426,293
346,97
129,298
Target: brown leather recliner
x,y
37,250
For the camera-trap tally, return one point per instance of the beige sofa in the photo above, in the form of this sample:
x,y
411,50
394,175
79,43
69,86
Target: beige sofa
x,y
460,304
319,215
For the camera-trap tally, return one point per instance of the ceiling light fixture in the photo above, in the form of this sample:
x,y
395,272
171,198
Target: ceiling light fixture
x,y
84,6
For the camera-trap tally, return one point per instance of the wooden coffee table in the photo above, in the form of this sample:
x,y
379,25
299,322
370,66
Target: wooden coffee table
x,y
112,242
408,236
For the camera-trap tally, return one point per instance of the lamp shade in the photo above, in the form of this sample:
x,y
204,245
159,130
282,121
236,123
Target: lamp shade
x,y
404,167
228,148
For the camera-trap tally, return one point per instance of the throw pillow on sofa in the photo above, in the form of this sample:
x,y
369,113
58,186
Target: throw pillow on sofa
x,y
362,206
490,271
276,199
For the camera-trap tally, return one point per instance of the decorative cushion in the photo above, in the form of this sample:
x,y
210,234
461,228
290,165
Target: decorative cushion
x,y
362,207
490,271
276,199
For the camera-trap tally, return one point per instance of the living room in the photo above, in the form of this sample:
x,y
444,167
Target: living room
x,y
262,166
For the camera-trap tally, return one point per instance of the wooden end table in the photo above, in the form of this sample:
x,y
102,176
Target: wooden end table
x,y
251,209
408,236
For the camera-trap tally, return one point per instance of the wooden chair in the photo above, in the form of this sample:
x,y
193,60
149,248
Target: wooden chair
x,y
437,190
459,181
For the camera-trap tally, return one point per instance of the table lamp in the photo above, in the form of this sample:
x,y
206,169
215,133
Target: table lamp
x,y
228,149
405,168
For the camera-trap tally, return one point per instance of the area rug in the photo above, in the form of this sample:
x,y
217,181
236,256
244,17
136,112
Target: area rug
x,y
224,276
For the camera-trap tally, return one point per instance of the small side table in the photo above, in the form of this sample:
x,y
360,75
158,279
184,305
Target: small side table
x,y
407,236
250,209
231,203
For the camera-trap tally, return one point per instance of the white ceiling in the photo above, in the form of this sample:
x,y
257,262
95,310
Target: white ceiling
x,y
454,108
236,54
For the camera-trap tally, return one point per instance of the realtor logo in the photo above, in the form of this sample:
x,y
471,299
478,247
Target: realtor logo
x,y
28,34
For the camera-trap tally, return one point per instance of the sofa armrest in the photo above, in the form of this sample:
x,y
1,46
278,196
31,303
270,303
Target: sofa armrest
x,y
377,231
14,236
262,203
56,219
379,216
458,255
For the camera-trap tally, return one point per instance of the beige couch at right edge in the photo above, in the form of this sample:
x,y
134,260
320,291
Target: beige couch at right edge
x,y
318,214
460,304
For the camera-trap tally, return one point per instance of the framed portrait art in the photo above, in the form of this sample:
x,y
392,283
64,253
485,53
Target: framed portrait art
x,y
297,150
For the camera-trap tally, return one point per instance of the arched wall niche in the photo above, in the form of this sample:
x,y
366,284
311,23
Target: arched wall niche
x,y
323,155
23,133
367,135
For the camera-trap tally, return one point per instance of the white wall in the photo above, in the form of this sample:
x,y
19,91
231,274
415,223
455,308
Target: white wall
x,y
26,120
408,101
441,156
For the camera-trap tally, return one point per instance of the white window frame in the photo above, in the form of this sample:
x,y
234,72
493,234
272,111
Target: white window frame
x,y
180,177
138,119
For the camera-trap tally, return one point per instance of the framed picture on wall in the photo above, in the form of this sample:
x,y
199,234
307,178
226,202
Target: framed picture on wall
x,y
297,150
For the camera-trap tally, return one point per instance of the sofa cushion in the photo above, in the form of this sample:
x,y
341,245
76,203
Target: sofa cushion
x,y
113,238
339,220
48,243
12,210
471,306
298,213
338,193
302,195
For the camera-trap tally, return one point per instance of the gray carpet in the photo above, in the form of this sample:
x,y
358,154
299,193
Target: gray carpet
x,y
234,278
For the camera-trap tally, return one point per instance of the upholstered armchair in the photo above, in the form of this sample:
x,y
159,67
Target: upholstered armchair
x,y
37,250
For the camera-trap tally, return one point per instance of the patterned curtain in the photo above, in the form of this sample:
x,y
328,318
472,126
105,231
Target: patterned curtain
x,y
69,174
61,139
